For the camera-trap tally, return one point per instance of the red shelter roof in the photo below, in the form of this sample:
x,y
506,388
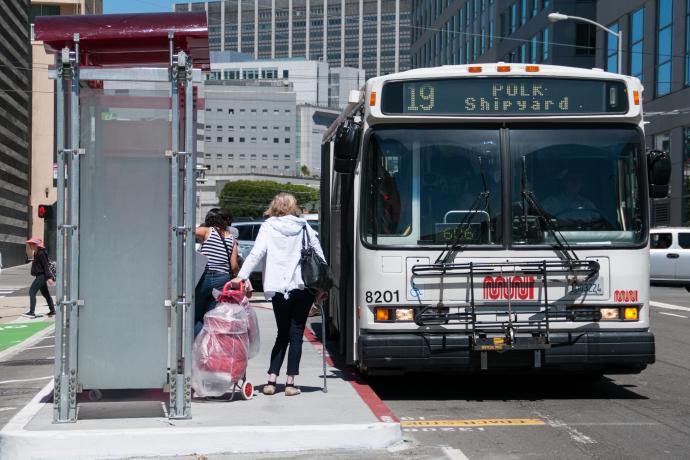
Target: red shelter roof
x,y
125,40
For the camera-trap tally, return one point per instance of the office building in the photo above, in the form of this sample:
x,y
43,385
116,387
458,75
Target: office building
x,y
313,82
43,153
656,49
312,122
15,130
469,31
366,34
249,127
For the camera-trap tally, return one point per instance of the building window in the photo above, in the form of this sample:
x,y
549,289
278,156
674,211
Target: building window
x,y
686,180
287,156
231,111
219,156
286,74
219,128
231,128
264,156
513,18
275,156
545,4
585,39
637,42
276,140
687,43
253,140
219,139
533,44
524,11
242,139
231,156
231,139
287,128
544,45
663,47
612,49
287,140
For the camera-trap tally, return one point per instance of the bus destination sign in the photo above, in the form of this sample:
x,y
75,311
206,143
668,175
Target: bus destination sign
x,y
512,97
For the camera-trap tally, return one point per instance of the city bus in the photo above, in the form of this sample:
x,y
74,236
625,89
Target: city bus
x,y
491,217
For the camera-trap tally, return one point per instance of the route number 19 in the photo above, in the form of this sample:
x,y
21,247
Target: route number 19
x,y
421,97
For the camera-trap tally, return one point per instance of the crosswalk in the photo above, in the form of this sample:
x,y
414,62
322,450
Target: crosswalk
x,y
5,291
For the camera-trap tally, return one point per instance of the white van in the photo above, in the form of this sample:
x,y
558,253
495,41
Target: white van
x,y
670,256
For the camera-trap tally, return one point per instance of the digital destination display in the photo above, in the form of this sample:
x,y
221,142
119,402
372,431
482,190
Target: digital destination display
x,y
504,96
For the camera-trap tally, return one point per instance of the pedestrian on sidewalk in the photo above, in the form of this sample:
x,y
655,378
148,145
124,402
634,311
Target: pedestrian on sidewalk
x,y
280,242
44,277
220,247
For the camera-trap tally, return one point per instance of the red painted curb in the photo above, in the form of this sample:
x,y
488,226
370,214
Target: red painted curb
x,y
379,408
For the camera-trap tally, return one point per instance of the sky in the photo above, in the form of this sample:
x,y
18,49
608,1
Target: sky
x,y
136,6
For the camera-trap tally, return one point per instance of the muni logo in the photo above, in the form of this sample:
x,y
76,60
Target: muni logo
x,y
509,287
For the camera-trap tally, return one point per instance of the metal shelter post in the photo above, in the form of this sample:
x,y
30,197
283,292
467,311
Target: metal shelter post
x,y
67,264
182,228
189,226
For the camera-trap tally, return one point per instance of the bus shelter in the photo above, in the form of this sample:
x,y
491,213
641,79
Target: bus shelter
x,y
126,98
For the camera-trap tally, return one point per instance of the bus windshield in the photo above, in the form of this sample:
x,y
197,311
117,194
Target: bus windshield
x,y
426,185
431,186
585,180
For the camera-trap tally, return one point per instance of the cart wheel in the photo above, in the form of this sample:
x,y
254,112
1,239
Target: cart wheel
x,y
247,390
95,395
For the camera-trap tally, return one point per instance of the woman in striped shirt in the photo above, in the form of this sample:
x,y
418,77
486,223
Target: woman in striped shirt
x,y
220,247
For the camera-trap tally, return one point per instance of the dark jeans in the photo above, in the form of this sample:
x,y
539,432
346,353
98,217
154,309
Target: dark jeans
x,y
40,283
291,317
203,295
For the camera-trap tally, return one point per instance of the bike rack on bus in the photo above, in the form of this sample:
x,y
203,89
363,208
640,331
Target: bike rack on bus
x,y
501,335
160,50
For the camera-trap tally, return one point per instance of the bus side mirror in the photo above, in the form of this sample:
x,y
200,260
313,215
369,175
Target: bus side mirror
x,y
346,147
659,169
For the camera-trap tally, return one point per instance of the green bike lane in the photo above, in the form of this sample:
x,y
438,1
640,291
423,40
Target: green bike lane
x,y
12,334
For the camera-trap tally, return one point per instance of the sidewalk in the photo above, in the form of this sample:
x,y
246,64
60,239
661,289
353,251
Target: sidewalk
x,y
14,302
349,416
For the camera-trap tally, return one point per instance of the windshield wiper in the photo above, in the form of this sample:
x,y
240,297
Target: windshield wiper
x,y
527,195
452,248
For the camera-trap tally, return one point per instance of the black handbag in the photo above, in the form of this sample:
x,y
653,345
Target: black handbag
x,y
316,273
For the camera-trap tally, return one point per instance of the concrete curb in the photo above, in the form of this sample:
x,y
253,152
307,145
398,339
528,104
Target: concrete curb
x,y
33,340
16,442
97,444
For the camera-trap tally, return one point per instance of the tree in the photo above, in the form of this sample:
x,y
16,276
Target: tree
x,y
305,170
249,198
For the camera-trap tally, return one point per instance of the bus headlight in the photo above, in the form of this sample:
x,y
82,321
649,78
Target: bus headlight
x,y
610,314
630,313
404,314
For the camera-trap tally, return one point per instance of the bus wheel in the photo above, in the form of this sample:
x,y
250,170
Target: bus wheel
x,y
687,288
95,395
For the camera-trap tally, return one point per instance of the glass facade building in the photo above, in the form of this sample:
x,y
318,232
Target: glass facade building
x,y
373,35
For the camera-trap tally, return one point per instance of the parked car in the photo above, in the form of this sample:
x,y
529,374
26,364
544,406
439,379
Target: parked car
x,y
670,256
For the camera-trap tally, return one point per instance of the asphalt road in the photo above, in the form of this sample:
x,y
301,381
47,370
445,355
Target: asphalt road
x,y
629,416
638,416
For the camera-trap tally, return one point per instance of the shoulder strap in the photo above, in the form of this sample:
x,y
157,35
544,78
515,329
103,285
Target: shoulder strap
x,y
227,251
305,241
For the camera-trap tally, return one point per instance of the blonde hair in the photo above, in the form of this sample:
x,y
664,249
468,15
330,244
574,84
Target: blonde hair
x,y
283,204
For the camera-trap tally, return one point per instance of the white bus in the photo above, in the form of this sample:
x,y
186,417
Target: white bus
x,y
493,216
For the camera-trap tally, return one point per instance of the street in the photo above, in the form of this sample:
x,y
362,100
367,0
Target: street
x,y
626,416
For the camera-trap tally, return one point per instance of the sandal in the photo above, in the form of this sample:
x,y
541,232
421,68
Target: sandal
x,y
269,388
291,390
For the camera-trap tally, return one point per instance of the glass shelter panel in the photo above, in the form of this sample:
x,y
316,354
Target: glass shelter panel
x,y
124,217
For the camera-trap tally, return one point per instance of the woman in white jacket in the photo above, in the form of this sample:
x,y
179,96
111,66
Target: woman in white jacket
x,y
280,242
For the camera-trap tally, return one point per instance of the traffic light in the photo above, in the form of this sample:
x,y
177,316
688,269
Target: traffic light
x,y
45,211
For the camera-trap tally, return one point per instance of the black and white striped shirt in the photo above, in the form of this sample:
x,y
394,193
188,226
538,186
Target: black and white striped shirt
x,y
214,249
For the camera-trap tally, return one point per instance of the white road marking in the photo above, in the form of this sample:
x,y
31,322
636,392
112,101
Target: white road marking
x,y
574,434
672,314
453,453
26,380
3,409
668,306
42,346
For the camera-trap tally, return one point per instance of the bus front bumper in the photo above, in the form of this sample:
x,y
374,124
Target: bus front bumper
x,y
601,352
